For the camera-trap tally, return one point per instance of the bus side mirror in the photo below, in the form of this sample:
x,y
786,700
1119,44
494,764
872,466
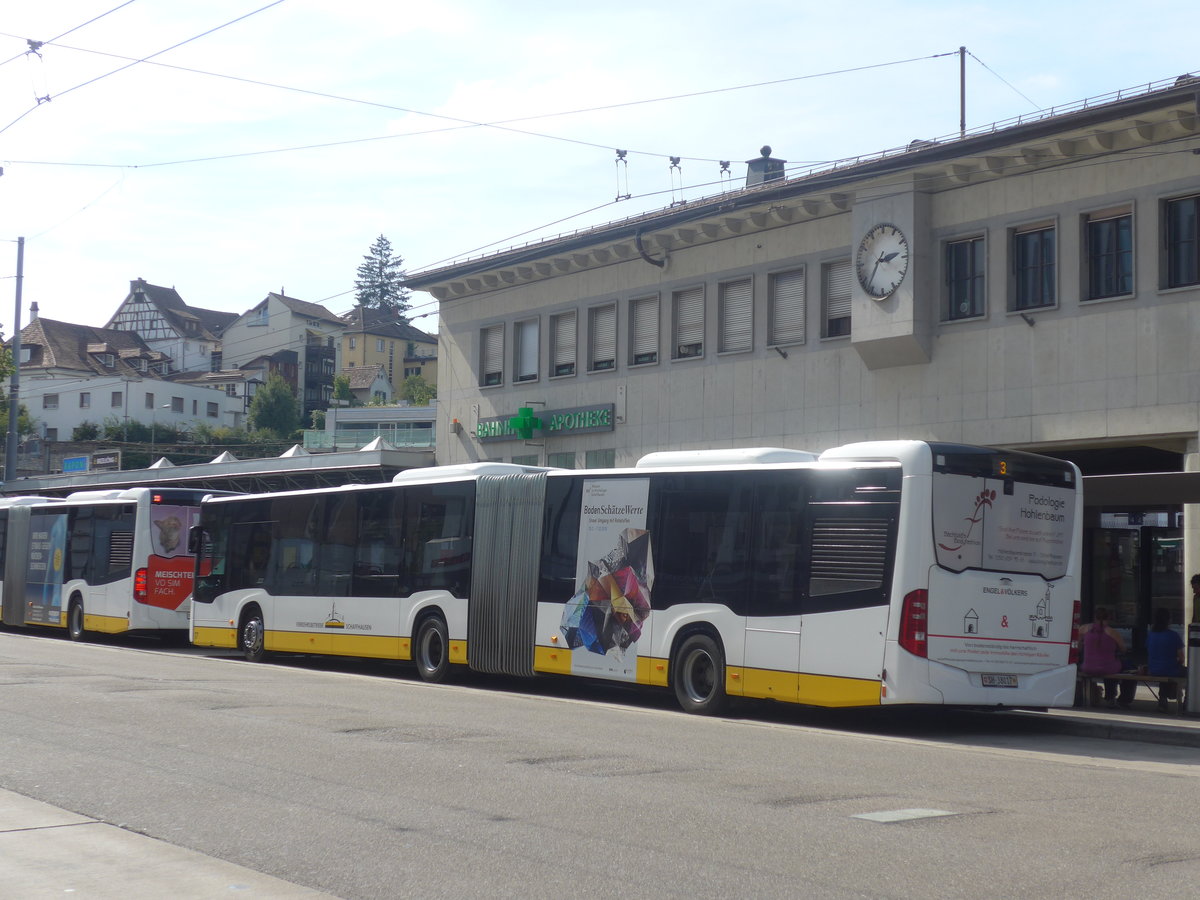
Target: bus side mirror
x,y
195,539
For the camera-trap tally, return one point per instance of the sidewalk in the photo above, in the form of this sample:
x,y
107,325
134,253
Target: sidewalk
x,y
1141,721
49,852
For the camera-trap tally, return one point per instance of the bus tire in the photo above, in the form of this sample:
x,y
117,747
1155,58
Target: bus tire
x,y
252,635
698,676
75,620
431,650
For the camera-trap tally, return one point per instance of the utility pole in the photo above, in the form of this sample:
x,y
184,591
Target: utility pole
x,y
962,92
10,457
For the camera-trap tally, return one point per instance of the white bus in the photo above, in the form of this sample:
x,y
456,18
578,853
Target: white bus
x,y
877,573
107,561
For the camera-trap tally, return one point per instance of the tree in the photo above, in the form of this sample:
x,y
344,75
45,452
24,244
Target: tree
x,y
341,390
380,282
417,391
85,431
26,424
274,409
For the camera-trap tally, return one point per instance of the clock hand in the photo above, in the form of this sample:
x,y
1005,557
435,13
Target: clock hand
x,y
890,256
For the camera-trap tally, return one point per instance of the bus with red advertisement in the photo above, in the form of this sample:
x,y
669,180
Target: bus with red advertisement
x,y
105,562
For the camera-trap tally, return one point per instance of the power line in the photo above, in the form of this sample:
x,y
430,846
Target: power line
x,y
144,59
35,46
994,72
459,122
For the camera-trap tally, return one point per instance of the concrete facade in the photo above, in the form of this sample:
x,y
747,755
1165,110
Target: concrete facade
x,y
1099,352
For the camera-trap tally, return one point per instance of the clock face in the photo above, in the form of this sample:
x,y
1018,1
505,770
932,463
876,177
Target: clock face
x,y
882,260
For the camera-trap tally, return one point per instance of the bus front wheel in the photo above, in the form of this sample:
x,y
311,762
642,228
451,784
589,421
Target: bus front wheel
x,y
75,620
252,636
431,650
698,676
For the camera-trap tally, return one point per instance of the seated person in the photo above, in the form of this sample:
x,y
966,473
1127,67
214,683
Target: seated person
x,y
1164,654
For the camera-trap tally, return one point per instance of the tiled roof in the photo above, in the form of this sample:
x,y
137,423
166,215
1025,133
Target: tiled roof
x,y
68,346
362,377
385,324
310,310
210,323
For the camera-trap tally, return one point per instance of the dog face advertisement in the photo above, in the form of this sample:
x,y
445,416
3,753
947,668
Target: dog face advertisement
x,y
608,614
169,567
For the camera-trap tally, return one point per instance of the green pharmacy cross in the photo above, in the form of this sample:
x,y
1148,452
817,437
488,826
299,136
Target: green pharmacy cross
x,y
525,423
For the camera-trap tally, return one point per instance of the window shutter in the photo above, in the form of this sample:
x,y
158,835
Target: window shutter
x,y
787,308
564,344
527,350
689,322
493,354
604,337
737,315
644,313
837,290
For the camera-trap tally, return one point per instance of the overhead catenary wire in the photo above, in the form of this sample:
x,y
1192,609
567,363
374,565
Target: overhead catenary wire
x,y
135,62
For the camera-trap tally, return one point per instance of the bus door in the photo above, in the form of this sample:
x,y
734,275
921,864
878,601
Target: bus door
x,y
851,545
777,580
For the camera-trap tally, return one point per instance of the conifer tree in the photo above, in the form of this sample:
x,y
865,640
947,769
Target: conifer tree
x,y
380,281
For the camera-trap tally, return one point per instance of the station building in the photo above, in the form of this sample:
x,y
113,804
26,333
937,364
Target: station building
x,y
1032,285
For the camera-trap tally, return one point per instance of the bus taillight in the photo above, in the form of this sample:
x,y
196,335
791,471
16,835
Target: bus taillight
x,y
141,585
1073,654
914,619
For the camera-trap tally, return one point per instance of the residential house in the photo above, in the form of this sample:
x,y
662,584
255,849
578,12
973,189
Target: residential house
x,y
375,338
190,336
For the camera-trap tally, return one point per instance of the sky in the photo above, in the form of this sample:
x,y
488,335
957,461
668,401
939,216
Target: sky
x,y
233,148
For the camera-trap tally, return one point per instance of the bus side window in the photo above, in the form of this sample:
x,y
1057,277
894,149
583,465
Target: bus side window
x,y
779,548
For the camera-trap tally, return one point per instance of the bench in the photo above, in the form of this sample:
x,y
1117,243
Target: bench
x,y
1152,681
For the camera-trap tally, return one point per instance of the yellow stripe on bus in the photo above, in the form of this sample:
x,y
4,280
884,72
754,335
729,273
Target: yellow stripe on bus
x,y
215,637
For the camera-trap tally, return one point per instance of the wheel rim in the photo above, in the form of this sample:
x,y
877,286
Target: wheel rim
x,y
252,635
431,649
699,676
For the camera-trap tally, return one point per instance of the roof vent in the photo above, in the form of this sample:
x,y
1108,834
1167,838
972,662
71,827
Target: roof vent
x,y
764,168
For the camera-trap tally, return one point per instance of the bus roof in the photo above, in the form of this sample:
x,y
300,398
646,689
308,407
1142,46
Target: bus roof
x,y
730,456
464,470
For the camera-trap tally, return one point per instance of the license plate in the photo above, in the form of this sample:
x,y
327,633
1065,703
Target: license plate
x,y
999,680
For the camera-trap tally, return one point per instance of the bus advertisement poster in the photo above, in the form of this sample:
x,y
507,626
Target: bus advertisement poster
x,y
170,566
978,526
47,558
604,620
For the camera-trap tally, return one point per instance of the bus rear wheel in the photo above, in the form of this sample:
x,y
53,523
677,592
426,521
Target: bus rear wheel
x,y
698,676
75,620
431,650
252,636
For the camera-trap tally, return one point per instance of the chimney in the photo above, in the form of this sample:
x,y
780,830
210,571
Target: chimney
x,y
33,312
763,169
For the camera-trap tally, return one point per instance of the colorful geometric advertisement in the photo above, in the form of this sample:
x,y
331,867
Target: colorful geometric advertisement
x,y
47,559
606,617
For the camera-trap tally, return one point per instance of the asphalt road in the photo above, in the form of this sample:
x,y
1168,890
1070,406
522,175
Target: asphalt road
x,y
360,781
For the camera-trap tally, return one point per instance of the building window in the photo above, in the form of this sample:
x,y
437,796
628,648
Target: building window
x,y
787,307
85,400
116,400
735,315
600,459
1109,242
378,345
210,410
528,459
176,404
835,293
353,343
525,350
491,356
561,460
52,434
195,406
49,401
1034,272
562,350
965,278
602,338
687,316
643,331
149,401
1183,241
108,360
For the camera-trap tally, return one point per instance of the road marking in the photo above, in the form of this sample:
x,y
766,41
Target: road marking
x,y
903,815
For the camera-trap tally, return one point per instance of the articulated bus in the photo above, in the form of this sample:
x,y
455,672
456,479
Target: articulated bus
x,y
896,572
107,561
